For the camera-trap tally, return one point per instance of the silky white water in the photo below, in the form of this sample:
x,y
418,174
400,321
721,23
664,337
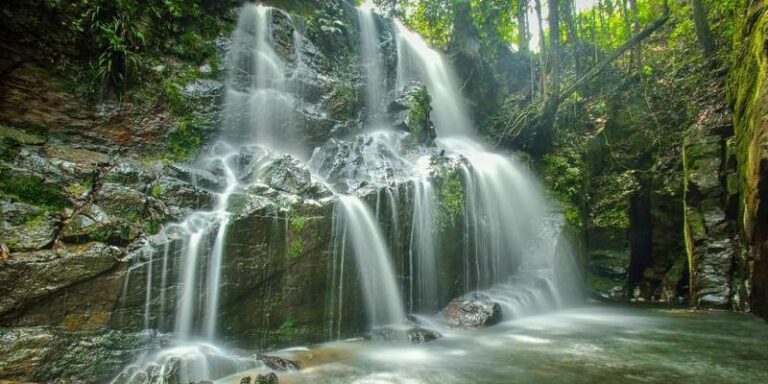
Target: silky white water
x,y
382,297
371,60
510,252
505,213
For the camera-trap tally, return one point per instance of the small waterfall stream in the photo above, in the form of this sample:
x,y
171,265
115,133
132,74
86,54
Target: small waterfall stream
x,y
372,64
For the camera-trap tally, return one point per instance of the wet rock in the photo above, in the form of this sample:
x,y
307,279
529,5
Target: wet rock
x,y
5,253
121,201
47,355
202,178
413,335
27,227
711,242
130,175
269,378
410,112
279,363
422,335
31,276
471,311
203,88
181,198
20,136
246,380
92,224
288,174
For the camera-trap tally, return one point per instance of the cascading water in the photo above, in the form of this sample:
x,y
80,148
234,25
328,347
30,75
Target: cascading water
x,y
422,247
505,216
372,64
258,107
382,297
416,61
509,247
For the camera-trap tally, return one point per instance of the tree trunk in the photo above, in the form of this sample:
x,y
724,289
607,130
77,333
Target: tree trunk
x,y
568,12
542,49
703,33
636,58
552,96
522,27
553,61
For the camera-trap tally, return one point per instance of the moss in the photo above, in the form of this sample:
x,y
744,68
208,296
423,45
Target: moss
x,y
185,140
296,248
343,101
156,191
79,189
451,199
419,112
287,328
298,223
32,190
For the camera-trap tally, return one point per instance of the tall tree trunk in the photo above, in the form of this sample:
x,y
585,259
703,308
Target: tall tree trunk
x,y
522,26
568,13
542,49
635,58
552,97
703,33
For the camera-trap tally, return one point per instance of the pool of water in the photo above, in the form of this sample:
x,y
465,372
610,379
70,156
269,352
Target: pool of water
x,y
585,345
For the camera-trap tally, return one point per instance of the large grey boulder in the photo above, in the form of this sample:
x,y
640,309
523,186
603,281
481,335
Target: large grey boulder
x,y
471,311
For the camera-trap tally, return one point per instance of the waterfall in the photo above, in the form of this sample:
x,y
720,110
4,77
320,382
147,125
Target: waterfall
x,y
416,61
371,61
505,214
258,105
422,251
382,297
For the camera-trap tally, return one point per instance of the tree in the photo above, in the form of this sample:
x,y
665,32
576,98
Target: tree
x,y
703,33
522,26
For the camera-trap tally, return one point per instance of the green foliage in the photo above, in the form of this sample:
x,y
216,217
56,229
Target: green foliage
x,y
564,174
451,200
185,140
115,39
156,191
288,328
298,223
343,101
610,204
296,248
32,190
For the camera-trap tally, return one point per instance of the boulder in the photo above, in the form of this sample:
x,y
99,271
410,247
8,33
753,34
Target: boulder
x,y
411,334
269,378
288,174
27,227
471,311
410,112
279,363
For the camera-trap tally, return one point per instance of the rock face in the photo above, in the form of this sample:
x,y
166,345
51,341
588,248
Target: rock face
x,y
410,112
748,95
472,311
716,265
46,355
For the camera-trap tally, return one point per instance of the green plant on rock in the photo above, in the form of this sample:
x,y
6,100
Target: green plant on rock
x,y
32,190
451,200
287,328
296,248
185,140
